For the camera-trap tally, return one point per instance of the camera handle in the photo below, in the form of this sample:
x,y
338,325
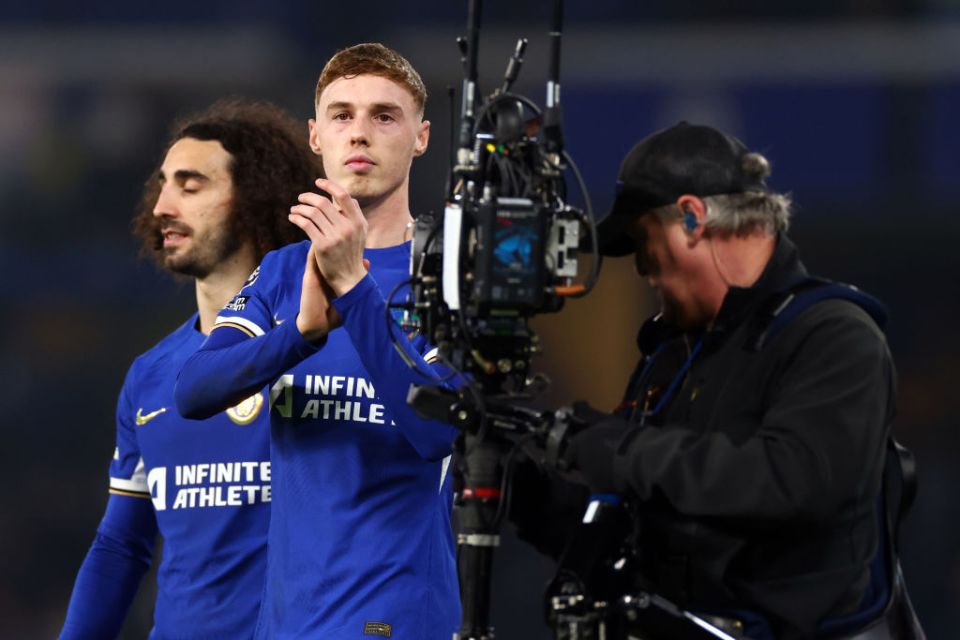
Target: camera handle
x,y
488,433
478,505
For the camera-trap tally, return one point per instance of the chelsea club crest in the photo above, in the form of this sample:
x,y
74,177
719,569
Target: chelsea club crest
x,y
246,411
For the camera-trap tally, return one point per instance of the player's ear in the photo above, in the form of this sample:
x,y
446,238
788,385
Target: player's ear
x,y
314,136
423,139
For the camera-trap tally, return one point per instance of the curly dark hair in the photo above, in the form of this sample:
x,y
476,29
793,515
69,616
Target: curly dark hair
x,y
271,164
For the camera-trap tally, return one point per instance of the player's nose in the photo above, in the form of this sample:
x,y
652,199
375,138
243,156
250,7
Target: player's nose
x,y
359,132
165,205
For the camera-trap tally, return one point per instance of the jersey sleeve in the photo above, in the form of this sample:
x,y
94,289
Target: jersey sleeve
x,y
245,350
111,573
123,547
249,310
363,309
127,473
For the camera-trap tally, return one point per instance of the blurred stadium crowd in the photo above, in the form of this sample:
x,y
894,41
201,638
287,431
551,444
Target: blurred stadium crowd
x,y
856,101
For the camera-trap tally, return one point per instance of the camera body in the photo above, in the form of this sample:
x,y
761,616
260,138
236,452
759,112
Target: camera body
x,y
504,250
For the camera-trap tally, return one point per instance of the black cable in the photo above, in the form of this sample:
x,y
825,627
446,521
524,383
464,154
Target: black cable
x,y
594,274
506,482
504,97
432,375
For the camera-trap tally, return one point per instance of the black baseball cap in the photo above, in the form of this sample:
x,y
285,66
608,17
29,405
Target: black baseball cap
x,y
684,159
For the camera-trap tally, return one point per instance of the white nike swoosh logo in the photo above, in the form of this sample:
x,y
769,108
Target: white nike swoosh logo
x,y
144,419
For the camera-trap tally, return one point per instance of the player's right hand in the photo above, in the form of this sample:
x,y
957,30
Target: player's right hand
x,y
317,316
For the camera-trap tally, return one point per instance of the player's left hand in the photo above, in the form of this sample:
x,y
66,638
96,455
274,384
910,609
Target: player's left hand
x,y
338,230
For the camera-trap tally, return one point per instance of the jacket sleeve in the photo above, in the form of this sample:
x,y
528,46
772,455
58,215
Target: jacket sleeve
x,y
363,309
110,574
819,443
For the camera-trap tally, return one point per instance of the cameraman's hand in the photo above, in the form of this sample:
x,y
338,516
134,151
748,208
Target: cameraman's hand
x,y
544,506
591,451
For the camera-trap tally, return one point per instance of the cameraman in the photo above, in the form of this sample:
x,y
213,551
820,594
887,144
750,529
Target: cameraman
x,y
753,468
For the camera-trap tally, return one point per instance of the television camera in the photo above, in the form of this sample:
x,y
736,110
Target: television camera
x,y
505,249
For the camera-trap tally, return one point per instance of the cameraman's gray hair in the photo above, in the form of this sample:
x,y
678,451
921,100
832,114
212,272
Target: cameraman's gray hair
x,y
744,213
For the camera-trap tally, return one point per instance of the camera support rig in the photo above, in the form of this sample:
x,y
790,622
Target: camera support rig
x,y
504,250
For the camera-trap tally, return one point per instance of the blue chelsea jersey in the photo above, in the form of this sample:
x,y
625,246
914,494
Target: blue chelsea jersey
x,y
361,544
209,482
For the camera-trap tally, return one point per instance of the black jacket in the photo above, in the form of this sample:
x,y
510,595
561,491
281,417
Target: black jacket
x,y
756,484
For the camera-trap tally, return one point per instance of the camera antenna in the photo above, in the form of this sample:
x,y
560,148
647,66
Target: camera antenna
x,y
552,132
513,67
470,50
462,45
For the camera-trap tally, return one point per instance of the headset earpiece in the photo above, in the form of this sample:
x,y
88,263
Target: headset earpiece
x,y
690,220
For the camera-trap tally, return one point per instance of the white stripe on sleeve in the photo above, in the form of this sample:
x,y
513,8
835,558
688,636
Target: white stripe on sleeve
x,y
243,322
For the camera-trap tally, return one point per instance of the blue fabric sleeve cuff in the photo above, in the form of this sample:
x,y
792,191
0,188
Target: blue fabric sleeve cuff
x,y
295,341
351,298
